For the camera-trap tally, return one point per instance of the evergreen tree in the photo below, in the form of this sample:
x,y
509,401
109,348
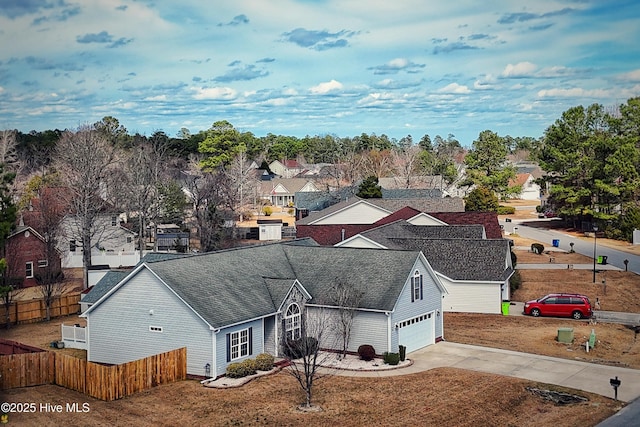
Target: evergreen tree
x,y
369,188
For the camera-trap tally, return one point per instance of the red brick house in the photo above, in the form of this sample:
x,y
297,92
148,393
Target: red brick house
x,y
25,252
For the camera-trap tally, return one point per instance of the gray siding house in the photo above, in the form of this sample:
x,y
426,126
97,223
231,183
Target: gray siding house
x,y
231,305
474,270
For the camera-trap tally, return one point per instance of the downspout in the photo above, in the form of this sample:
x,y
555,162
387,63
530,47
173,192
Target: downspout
x,y
388,331
214,364
342,235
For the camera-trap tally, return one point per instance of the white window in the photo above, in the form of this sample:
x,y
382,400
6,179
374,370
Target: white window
x,y
114,221
416,286
42,263
29,270
292,321
155,328
239,344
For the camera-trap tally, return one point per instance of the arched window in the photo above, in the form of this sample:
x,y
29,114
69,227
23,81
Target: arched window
x,y
292,321
416,286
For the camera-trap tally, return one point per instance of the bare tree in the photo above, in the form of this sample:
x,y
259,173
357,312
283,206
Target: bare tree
x,y
405,165
346,297
304,355
85,159
208,210
47,217
8,151
241,180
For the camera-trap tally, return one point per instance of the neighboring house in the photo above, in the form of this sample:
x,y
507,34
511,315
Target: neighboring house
x,y
286,168
475,271
424,182
529,189
170,238
113,244
346,219
231,305
26,256
282,191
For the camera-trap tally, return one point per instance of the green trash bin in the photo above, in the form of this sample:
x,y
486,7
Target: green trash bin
x,y
600,259
505,308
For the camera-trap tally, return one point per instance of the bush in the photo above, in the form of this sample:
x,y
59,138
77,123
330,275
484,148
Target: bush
x,y
242,369
515,281
295,349
506,210
267,210
264,362
391,358
537,248
366,352
249,366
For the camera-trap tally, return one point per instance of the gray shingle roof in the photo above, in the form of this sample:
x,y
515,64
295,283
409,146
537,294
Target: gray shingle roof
x,y
380,274
232,286
462,259
402,228
104,285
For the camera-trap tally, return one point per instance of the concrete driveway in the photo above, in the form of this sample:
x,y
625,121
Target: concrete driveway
x,y
589,377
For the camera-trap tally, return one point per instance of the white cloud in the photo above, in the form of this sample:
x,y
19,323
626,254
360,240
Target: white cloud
x,y
631,76
224,93
455,88
573,93
521,69
326,87
157,98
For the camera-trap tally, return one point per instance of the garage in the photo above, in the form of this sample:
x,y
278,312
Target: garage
x,y
417,332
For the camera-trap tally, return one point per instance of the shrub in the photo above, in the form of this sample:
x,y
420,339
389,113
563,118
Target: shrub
x,y
537,248
506,210
515,281
267,210
366,352
305,346
235,370
264,362
391,358
249,366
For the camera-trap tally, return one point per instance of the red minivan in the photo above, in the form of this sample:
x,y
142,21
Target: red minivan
x,y
561,305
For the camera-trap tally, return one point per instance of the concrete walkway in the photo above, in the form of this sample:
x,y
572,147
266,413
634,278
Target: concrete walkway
x,y
589,377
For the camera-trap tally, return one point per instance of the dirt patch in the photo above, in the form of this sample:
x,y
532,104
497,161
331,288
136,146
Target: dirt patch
x,y
445,396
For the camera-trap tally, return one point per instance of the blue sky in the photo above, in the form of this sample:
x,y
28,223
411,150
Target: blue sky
x,y
298,67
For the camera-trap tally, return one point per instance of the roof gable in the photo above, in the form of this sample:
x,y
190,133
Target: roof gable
x,y
425,219
358,212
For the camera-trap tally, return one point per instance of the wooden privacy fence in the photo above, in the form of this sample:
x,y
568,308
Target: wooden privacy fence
x,y
27,369
117,381
35,310
104,382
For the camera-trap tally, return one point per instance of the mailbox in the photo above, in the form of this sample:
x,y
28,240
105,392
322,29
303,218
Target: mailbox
x,y
615,382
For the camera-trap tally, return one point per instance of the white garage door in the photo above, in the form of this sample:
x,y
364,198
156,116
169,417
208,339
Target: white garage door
x,y
417,332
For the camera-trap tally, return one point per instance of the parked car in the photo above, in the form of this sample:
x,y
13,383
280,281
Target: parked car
x,y
561,305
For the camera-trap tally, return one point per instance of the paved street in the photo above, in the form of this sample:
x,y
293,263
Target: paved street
x,y
614,257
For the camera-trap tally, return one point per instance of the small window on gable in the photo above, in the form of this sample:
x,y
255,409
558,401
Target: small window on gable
x,y
155,328
72,245
29,270
114,221
416,286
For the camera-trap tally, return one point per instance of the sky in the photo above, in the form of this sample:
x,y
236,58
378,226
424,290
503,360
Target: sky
x,y
315,67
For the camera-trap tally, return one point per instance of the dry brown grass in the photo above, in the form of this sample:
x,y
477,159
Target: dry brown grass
x,y
443,396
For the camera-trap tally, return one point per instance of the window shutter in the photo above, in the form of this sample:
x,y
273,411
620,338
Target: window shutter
x,y
250,341
413,287
228,347
421,287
